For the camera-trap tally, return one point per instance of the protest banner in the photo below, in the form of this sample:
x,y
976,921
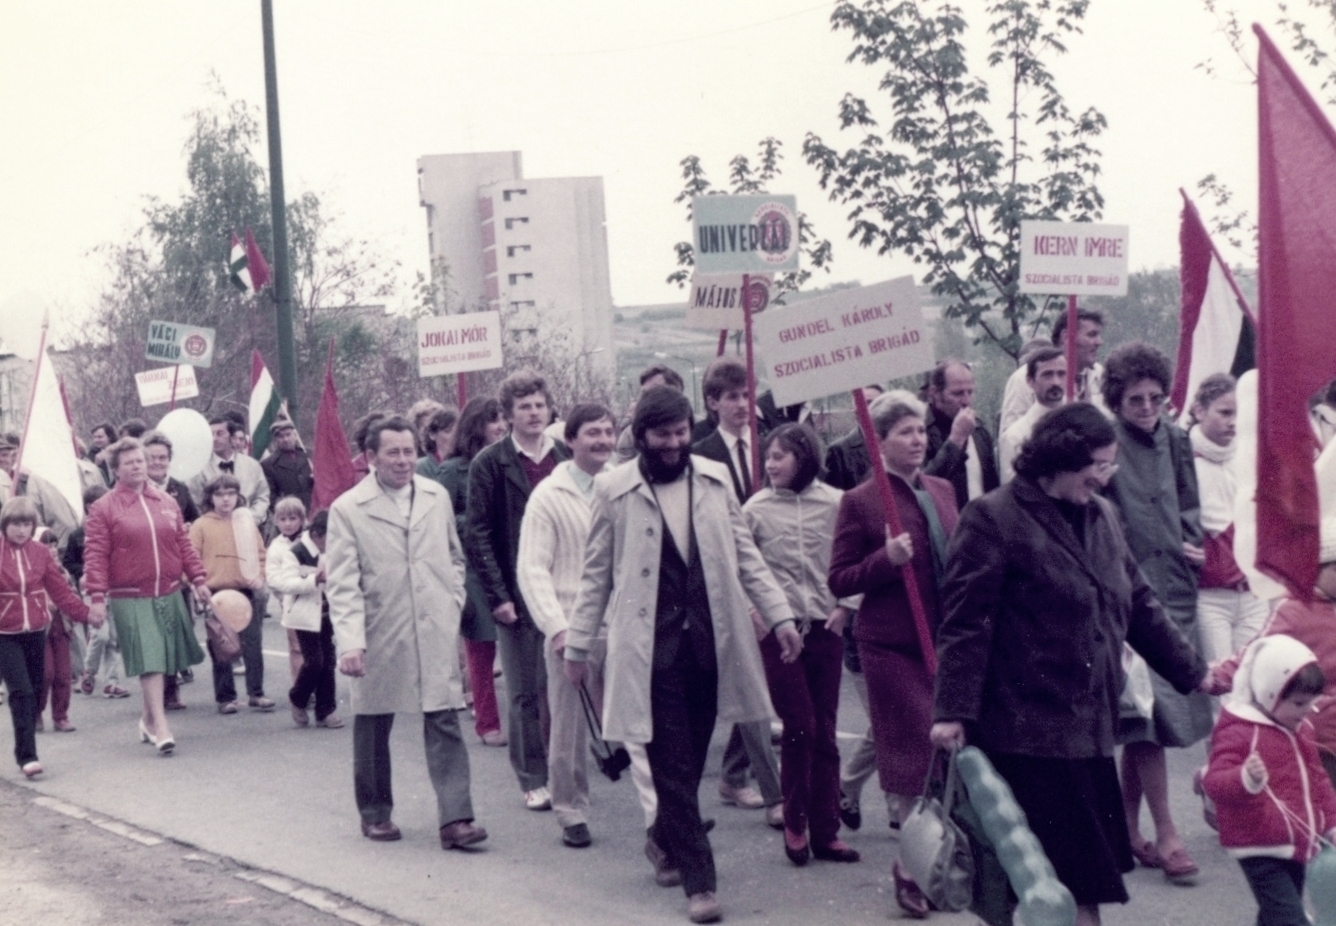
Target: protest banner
x,y
1073,259
166,384
459,343
745,234
845,341
715,301
169,342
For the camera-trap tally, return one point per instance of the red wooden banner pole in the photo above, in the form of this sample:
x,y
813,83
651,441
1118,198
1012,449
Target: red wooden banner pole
x,y
723,342
176,371
1071,348
893,522
461,390
751,382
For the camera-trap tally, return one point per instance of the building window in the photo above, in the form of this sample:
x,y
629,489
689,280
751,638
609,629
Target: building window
x,y
516,277
513,249
516,220
509,193
523,304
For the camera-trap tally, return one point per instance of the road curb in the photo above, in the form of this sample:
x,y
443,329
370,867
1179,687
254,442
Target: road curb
x,y
315,897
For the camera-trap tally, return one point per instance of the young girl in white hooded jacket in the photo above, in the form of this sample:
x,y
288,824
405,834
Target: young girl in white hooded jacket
x,y
1273,798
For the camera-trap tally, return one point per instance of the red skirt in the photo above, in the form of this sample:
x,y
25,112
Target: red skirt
x,y
899,693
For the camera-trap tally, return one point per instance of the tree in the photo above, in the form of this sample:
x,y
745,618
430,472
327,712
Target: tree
x,y
174,268
939,182
745,179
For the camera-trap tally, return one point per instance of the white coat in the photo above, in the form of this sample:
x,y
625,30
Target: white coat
x,y
294,583
396,590
620,589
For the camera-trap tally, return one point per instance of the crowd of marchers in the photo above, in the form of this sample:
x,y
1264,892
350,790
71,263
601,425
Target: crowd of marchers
x,y
642,577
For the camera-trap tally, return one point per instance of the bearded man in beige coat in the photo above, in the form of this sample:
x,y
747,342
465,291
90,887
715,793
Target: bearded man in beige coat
x,y
672,571
395,584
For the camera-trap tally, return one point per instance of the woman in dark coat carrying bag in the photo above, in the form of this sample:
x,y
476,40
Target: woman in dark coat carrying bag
x,y
1039,594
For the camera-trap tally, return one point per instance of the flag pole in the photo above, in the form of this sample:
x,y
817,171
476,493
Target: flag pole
x,y
282,291
751,383
1071,348
176,371
32,397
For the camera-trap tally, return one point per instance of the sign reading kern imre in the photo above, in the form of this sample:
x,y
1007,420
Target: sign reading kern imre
x,y
844,341
1073,259
745,234
459,343
169,342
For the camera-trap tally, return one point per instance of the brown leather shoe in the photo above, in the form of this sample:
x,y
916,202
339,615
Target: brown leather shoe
x,y
385,831
173,705
704,908
665,875
461,834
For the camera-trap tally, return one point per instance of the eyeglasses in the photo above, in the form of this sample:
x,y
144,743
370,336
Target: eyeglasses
x,y
1150,401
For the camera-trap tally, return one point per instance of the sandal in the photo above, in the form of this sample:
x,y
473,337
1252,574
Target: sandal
x,y
1146,853
908,895
1179,868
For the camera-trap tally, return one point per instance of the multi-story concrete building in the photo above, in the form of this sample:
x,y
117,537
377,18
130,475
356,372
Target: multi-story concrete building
x,y
537,249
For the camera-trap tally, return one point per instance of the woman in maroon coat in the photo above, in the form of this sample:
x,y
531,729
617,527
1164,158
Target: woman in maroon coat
x,y
868,561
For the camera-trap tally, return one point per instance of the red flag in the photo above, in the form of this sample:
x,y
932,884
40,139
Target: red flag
x,y
1211,311
331,462
256,264
1297,325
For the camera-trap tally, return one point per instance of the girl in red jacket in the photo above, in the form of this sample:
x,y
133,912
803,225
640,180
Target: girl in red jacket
x,y
29,573
1273,799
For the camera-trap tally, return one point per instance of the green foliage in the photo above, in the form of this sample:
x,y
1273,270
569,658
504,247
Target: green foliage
x,y
744,178
174,267
935,178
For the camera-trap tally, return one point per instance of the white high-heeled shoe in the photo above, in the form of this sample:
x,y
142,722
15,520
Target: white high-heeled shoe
x,y
145,736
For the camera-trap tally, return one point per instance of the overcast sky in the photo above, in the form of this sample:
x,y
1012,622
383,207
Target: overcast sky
x,y
95,97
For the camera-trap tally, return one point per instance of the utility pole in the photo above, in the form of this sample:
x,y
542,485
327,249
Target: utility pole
x,y
282,289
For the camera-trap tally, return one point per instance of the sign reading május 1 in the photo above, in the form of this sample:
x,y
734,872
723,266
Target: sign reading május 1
x,y
715,301
744,234
169,342
155,386
1073,259
843,341
459,343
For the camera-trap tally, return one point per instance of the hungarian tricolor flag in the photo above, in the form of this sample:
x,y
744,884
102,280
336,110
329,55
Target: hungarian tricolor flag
x,y
265,405
1296,344
331,462
246,267
1216,326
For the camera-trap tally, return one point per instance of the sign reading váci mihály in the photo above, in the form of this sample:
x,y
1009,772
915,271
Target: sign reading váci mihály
x,y
169,342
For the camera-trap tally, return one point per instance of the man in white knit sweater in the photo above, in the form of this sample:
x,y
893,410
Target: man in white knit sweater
x,y
548,568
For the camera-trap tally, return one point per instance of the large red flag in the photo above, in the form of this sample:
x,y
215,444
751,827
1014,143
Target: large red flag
x,y
1296,315
331,462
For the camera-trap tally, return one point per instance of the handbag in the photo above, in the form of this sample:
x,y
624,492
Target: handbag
x,y
223,641
611,761
933,848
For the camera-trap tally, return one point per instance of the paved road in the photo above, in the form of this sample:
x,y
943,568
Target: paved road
x,y
256,791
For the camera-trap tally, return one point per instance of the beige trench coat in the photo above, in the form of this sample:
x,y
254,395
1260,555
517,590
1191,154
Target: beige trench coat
x,y
620,588
397,593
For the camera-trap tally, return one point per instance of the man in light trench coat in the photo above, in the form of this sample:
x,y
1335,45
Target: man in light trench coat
x,y
395,585
669,567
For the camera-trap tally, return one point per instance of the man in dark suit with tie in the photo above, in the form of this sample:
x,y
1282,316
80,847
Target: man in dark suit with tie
x,y
725,389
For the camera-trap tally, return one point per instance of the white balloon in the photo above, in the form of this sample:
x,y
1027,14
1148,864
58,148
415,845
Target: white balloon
x,y
192,441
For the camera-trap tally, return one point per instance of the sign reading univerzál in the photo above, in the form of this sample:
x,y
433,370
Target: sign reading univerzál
x,y
716,299
844,341
169,342
459,343
1073,259
744,234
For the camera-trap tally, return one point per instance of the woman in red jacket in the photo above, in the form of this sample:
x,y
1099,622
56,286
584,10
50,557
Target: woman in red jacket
x,y
866,560
135,553
29,573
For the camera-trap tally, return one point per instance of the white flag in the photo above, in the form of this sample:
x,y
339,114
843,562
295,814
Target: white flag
x,y
48,439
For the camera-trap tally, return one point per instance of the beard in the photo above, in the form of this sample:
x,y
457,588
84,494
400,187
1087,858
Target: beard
x,y
660,466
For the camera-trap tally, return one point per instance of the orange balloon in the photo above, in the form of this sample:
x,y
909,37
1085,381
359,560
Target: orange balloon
x,y
232,609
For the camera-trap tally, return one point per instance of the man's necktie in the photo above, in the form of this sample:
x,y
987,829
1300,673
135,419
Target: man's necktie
x,y
744,468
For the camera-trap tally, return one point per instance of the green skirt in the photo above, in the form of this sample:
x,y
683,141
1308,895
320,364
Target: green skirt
x,y
156,634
